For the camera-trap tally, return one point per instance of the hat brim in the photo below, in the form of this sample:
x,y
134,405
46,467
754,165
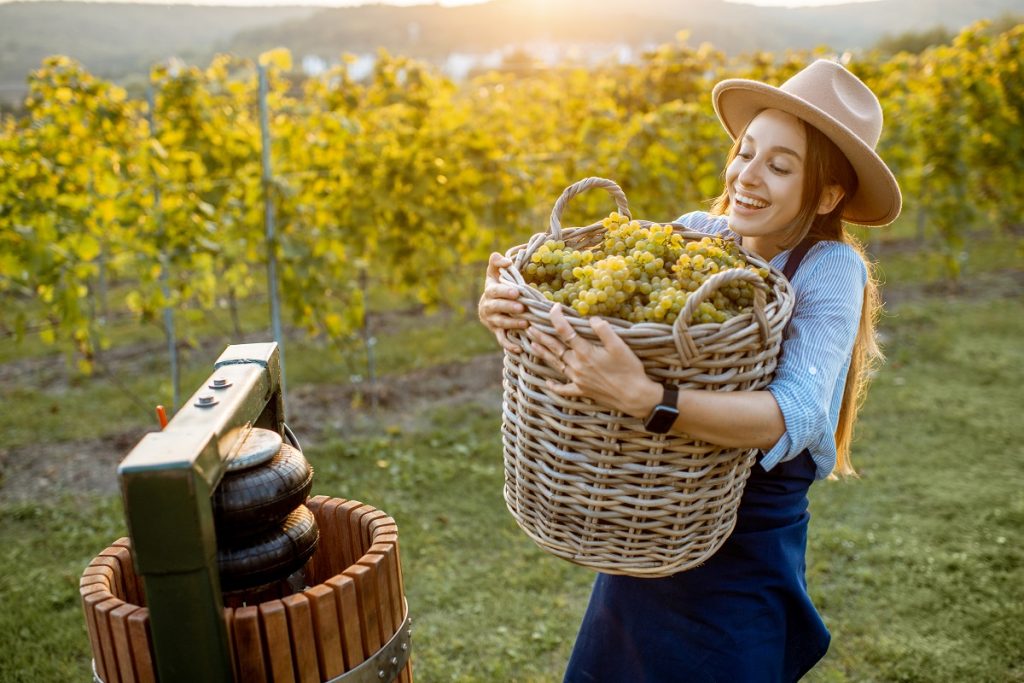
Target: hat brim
x,y
877,201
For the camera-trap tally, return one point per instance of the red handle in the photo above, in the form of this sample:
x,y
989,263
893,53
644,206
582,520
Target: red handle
x,y
161,415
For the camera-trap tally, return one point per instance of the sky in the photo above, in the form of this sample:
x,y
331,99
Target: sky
x,y
446,3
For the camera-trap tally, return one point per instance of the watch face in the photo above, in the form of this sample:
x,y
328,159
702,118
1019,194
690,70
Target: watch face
x,y
661,419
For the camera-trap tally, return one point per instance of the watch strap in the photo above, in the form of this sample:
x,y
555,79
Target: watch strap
x,y
663,415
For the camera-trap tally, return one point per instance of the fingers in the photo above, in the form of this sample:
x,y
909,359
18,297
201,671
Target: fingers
x,y
566,334
495,263
498,308
506,343
502,307
496,290
548,349
569,390
612,342
545,340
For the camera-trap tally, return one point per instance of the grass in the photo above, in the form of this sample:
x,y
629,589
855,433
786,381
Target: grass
x,y
917,567
125,400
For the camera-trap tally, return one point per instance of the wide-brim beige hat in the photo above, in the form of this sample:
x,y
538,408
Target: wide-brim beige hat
x,y
841,106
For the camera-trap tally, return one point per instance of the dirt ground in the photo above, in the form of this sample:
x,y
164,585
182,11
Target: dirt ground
x,y
89,467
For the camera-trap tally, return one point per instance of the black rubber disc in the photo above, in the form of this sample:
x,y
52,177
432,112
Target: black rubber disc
x,y
271,556
252,500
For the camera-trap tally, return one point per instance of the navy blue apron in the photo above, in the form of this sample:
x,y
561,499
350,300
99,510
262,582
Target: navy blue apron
x,y
744,616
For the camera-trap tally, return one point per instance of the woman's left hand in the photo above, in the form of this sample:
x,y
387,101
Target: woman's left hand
x,y
610,373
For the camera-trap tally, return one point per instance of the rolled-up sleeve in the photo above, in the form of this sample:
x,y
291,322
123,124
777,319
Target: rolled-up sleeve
x,y
702,221
811,375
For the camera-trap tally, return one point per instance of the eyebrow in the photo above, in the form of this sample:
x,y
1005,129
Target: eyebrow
x,y
777,148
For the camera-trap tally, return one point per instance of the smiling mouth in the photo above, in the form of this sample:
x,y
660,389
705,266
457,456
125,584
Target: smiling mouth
x,y
748,202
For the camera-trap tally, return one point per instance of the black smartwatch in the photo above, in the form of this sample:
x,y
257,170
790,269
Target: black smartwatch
x,y
663,415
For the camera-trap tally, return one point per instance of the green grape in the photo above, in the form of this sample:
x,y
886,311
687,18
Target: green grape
x,y
642,274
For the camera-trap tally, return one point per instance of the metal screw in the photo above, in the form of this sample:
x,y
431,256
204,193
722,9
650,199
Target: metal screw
x,y
207,401
405,646
380,674
394,661
220,383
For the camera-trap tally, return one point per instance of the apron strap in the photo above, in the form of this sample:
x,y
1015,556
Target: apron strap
x,y
796,256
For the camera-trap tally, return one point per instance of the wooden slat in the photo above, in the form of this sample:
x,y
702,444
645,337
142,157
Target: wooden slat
x,y
317,566
229,627
387,546
94,579
91,595
343,519
125,542
249,646
275,635
364,527
127,571
123,642
386,535
142,653
117,580
106,638
328,635
329,555
103,571
347,603
366,596
382,601
314,502
300,628
355,527
383,525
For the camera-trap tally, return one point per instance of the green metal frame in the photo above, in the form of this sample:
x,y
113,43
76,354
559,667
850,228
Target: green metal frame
x,y
166,483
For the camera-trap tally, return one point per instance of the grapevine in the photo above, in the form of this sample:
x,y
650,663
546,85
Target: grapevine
x,y
412,179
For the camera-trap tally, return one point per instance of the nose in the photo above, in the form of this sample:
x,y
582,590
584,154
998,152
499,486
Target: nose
x,y
750,173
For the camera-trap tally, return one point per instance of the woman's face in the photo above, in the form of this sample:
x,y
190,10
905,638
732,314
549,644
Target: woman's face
x,y
765,180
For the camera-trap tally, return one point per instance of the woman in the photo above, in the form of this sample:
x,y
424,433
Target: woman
x,y
802,162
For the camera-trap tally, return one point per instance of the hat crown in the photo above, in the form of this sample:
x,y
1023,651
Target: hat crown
x,y
840,95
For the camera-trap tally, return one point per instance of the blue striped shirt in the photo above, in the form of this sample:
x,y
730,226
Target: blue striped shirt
x,y
815,359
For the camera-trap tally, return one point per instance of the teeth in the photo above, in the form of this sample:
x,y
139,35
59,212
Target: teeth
x,y
750,201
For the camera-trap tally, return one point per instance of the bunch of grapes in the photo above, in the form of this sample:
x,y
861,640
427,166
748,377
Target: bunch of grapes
x,y
641,274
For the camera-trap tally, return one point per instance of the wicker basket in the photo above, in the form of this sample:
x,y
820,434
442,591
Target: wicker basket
x,y
590,485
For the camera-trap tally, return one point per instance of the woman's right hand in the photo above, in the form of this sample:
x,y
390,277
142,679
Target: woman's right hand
x,y
498,304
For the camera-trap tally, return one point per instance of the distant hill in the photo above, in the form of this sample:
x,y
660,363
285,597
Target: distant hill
x,y
114,39
433,31
120,41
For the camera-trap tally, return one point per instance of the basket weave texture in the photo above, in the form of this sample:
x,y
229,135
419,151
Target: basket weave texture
x,y
591,485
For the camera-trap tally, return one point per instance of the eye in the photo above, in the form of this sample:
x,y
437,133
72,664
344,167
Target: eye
x,y
745,155
778,169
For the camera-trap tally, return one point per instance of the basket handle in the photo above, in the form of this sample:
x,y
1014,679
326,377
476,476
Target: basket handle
x,y
555,226
681,328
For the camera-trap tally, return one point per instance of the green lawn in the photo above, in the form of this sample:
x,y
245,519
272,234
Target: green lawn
x,y
917,567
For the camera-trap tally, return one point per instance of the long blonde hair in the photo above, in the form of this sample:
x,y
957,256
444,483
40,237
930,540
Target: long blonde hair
x,y
827,165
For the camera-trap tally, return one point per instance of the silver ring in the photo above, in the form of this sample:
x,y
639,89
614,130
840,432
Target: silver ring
x,y
574,335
